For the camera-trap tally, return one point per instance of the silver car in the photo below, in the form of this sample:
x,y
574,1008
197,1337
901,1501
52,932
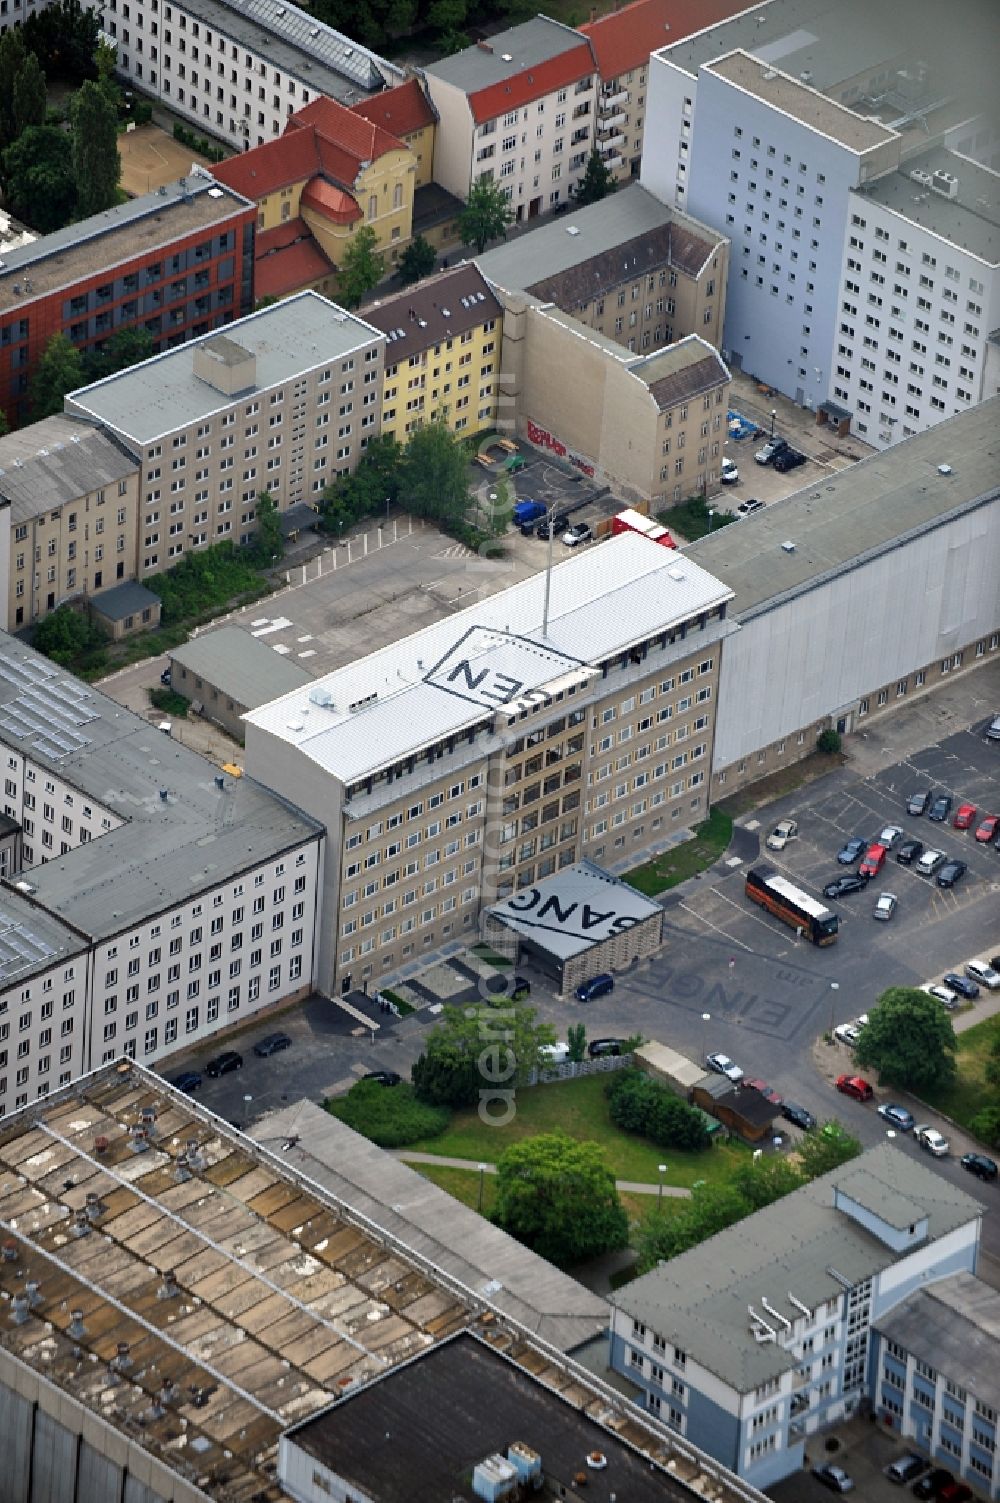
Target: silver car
x,y
885,906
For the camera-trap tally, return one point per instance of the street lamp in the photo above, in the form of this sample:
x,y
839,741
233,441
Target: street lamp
x,y
706,1018
711,517
659,1192
246,1110
482,1172
774,414
834,989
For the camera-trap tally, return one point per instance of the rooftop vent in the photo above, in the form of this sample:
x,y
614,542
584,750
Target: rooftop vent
x,y
321,696
81,1224
788,547
168,1289
95,1205
572,229
76,1329
944,469
216,193
942,182
508,57
19,1309
220,781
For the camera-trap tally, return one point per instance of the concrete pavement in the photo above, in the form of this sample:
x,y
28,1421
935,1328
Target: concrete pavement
x,y
627,1186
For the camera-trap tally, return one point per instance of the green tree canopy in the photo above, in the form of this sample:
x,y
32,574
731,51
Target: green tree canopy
x,y
486,216
556,1195
60,370
361,269
64,38
417,261
67,636
268,544
909,1040
576,1038
764,1180
826,1148
376,480
38,169
596,183
125,347
388,1116
96,162
434,475
12,60
710,1209
477,1051
639,1104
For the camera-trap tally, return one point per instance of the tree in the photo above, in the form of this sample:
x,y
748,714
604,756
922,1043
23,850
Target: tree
x,y
39,173
30,101
992,1067
390,1118
909,1040
361,268
765,1180
96,163
639,1104
711,1208
826,1148
828,742
268,545
60,370
434,475
596,183
125,347
986,1126
417,261
479,1052
105,62
375,481
486,215
67,635
576,1038
64,38
556,1196
12,58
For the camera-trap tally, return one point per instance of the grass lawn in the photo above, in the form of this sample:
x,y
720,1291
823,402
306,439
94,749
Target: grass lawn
x,y
463,1184
970,1091
692,520
682,861
579,1108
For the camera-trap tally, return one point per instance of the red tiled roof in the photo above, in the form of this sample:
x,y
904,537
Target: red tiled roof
x,y
623,39
264,169
353,138
330,201
531,83
401,110
286,259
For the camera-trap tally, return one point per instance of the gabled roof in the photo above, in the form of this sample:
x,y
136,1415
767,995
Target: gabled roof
x,y
681,371
400,111
292,158
287,258
438,308
535,83
55,462
516,66
624,39
352,140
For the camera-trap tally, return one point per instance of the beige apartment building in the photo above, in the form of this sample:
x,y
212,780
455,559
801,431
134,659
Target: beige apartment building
x,y
494,748
70,494
283,401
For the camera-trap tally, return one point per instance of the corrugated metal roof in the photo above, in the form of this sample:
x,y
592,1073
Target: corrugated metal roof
x,y
55,462
413,693
241,666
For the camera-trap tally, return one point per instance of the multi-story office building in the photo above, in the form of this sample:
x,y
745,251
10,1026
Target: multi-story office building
x,y
71,509
176,263
239,70
784,127
759,1337
639,272
156,900
538,727
442,353
285,401
518,110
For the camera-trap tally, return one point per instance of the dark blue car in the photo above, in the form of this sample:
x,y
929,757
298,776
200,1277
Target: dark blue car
x,y
188,1081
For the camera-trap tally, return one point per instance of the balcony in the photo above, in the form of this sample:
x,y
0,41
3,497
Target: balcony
x,y
613,163
611,101
611,143
611,122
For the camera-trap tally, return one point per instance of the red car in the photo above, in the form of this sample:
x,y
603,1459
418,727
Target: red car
x,y
988,828
966,814
956,1492
768,1092
874,860
853,1085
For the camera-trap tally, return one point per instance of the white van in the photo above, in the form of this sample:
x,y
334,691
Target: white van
x,y
553,1054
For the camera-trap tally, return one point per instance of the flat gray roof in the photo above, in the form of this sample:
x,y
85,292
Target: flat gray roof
x,y
95,246
506,54
801,101
161,395
556,922
30,939
122,600
168,849
970,220
851,515
241,666
294,41
803,1247
437,1227
56,461
953,1326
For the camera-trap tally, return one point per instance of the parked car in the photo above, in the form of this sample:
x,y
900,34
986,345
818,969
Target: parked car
x,y
788,459
951,872
578,533
512,987
271,1043
896,1116
772,447
940,809
840,887
888,836
873,860
833,1477
986,974
956,1492
555,525
851,851
223,1063
165,678
906,1468
798,1116
930,862
723,1065
961,985
885,906
942,994
728,473
909,851
784,831
599,1047
854,1085
980,1165
931,1485
383,1077
763,1089
964,816
918,803
748,507
988,828
993,729
187,1081
597,986
931,1139
847,1033
553,1054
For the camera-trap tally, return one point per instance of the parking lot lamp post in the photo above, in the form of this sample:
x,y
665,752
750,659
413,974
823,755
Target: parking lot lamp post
x,y
706,1018
659,1190
774,414
482,1172
246,1110
711,517
834,989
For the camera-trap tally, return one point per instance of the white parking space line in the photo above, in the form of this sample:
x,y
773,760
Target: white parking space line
x,y
277,625
310,652
280,647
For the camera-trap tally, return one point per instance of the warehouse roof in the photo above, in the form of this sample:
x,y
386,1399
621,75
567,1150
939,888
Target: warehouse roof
x,y
515,66
452,677
970,220
161,395
244,668
57,461
178,831
954,1327
854,514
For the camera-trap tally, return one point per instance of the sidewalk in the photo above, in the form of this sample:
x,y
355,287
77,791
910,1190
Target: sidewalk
x,y
628,1186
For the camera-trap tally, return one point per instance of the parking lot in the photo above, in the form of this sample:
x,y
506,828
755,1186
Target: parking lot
x,y
863,1449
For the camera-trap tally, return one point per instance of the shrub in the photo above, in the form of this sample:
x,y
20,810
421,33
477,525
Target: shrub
x,y
828,742
390,1116
641,1105
986,1126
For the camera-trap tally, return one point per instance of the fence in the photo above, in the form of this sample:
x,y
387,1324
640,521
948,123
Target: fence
x,y
572,1068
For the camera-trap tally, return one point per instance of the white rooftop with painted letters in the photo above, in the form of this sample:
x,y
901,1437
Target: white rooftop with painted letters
x,y
575,909
451,678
